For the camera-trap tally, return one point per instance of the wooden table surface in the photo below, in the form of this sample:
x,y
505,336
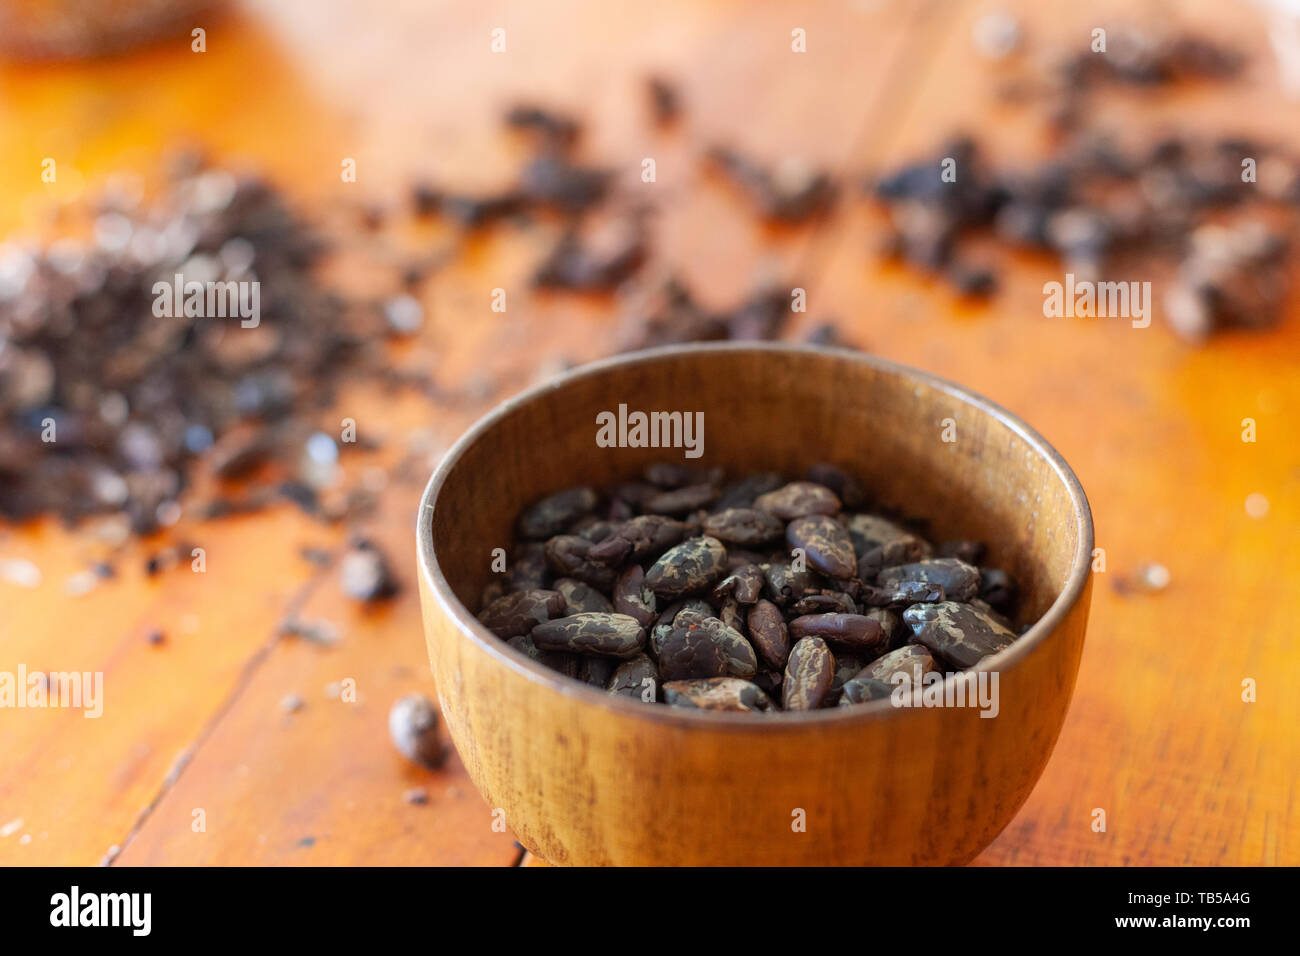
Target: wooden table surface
x,y
1158,735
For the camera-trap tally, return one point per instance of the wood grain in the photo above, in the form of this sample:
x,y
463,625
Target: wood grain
x,y
1157,734
588,778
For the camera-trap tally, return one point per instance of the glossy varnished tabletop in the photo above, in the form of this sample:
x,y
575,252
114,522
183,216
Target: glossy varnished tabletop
x,y
1158,735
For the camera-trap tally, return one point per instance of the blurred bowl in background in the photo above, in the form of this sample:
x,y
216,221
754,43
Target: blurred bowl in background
x,y
67,29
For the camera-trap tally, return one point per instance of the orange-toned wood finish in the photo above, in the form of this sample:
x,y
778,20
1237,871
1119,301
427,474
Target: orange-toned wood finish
x,y
1157,735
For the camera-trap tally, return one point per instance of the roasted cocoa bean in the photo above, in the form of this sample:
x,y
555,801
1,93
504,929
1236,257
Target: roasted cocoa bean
x,y
680,501
709,600
785,585
741,493
808,675
688,652
744,526
552,514
611,635
731,614
638,677
568,555
847,666
741,659
639,538
692,566
998,588
717,693
519,613
911,659
597,671
856,631
891,543
860,690
959,580
527,569
823,602
580,597
769,634
959,634
633,598
745,584
825,543
847,488
797,500
566,664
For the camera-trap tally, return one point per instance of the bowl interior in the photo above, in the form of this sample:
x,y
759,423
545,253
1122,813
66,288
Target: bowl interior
x,y
920,445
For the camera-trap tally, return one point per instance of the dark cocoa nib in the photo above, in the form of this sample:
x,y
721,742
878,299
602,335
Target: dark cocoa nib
x,y
665,101
633,598
556,512
998,588
611,635
689,567
689,652
679,501
958,633
667,314
809,673
856,631
846,487
824,602
847,665
566,664
602,265
731,614
636,539
518,613
567,556
637,678
553,129
786,585
825,543
1178,206
717,693
880,543
790,192
739,654
826,611
744,526
959,581
744,584
528,569
798,499
580,597
139,399
364,572
861,690
665,474
741,493
911,659
597,671
768,631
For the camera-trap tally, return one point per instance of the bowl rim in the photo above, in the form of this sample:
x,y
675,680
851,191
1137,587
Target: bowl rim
x,y
470,628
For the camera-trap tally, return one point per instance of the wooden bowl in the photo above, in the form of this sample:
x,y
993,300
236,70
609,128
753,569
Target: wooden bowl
x,y
586,778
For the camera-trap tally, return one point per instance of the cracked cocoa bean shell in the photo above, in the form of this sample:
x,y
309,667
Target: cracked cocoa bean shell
x,y
808,675
690,567
717,693
610,635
